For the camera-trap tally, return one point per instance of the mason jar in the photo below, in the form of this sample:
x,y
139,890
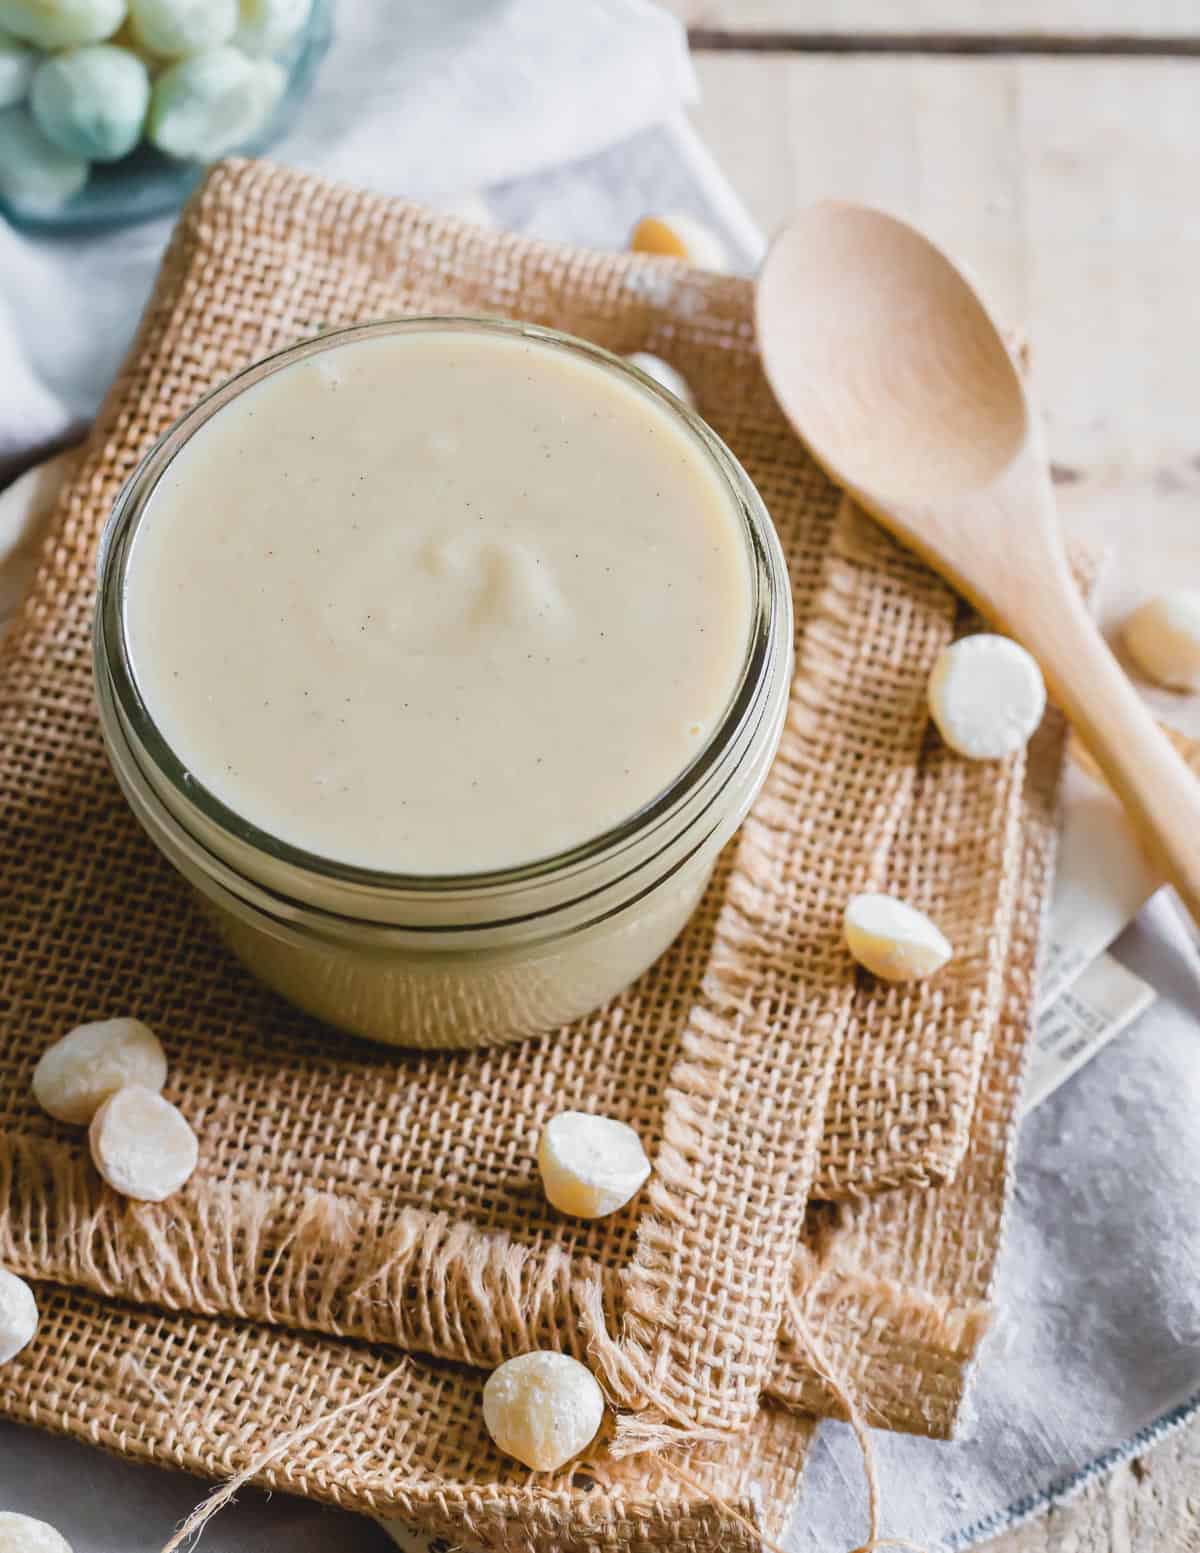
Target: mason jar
x,y
468,959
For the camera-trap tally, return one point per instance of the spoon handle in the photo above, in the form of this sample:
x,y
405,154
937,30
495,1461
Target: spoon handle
x,y
1160,793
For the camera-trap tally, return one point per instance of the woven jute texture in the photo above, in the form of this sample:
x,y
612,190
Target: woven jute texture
x,y
210,1396
904,1090
899,1285
899,1312
393,1198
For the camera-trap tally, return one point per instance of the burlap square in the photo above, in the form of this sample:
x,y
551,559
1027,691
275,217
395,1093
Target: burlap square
x,y
210,1396
899,1285
308,1208
904,1088
897,1307
392,1199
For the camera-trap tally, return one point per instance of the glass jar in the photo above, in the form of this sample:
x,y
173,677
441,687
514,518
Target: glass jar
x,y
470,959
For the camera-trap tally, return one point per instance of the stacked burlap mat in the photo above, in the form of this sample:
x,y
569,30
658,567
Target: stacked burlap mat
x,y
825,1147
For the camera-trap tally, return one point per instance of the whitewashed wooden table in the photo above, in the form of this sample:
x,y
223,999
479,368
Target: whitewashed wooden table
x,y
1053,147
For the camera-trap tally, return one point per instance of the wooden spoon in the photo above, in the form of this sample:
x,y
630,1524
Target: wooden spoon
x,y
889,366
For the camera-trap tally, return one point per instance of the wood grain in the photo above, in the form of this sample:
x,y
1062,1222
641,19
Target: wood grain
x,y
1061,186
1065,18
926,422
1150,1504
1066,187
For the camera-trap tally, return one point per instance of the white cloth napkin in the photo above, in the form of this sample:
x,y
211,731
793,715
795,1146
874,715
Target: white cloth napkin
x,y
426,98
1097,1351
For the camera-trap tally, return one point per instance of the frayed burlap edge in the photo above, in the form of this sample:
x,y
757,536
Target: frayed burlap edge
x,y
187,1253
208,1396
665,1350
892,1284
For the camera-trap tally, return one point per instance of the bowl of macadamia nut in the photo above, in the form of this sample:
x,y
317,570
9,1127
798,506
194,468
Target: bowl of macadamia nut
x,y
110,109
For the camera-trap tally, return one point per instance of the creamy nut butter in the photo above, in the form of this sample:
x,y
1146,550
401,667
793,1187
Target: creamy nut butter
x,y
439,603
442,656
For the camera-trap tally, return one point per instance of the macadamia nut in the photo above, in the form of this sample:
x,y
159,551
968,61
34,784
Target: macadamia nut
x,y
18,1317
269,26
177,28
987,696
209,104
1163,638
76,1075
24,1534
61,24
92,101
17,64
36,176
142,1145
680,236
591,1165
894,940
663,373
543,1408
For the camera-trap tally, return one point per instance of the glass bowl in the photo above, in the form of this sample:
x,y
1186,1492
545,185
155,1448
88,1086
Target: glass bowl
x,y
147,183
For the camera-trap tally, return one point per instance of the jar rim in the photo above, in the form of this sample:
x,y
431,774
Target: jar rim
x,y
113,661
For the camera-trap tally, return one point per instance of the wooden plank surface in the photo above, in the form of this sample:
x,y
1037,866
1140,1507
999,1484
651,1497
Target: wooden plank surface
x,y
1150,1504
1066,186
1062,18
1063,185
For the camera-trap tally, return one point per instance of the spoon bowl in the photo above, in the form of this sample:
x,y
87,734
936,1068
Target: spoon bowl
x,y
891,368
